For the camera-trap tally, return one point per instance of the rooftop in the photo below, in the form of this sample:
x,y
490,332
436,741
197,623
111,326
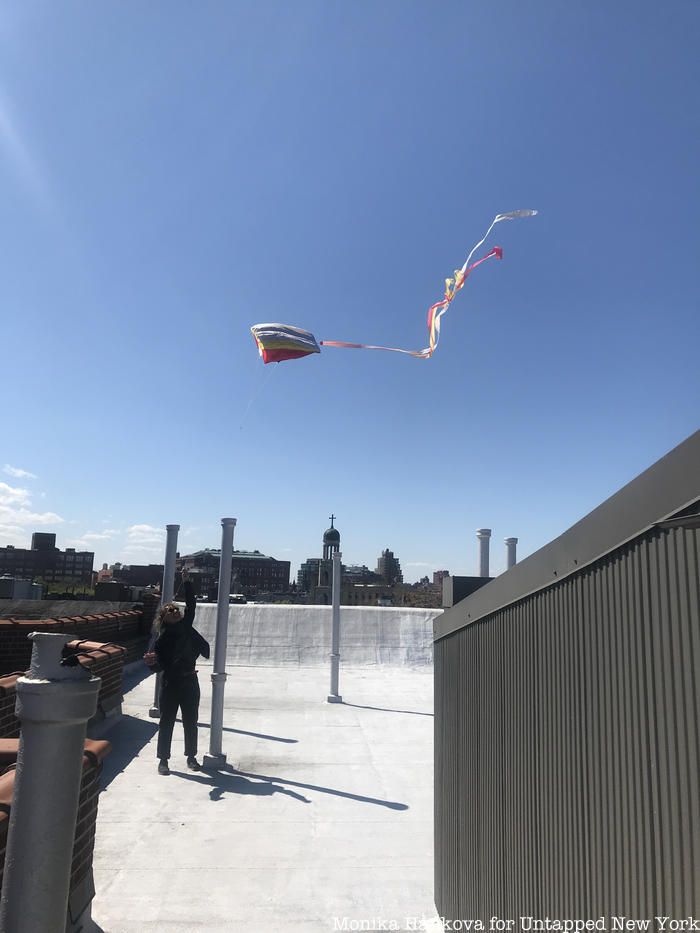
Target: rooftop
x,y
216,552
325,818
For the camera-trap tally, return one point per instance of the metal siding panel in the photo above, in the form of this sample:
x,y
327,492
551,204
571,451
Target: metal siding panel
x,y
680,675
627,697
689,587
586,866
567,746
675,789
659,629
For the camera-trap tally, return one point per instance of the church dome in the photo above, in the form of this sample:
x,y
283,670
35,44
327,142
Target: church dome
x,y
331,535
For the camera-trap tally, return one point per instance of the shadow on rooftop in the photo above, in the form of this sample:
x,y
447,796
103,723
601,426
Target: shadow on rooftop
x,y
226,782
255,735
134,675
237,782
383,709
127,737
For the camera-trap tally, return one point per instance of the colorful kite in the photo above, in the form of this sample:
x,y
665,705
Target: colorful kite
x,y
278,342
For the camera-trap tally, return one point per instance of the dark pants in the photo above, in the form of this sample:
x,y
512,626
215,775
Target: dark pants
x,y
182,693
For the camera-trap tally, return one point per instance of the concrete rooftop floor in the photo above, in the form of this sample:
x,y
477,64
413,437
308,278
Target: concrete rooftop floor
x,y
323,823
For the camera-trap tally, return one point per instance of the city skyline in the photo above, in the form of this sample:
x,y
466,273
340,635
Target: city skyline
x,y
145,544
150,553
328,167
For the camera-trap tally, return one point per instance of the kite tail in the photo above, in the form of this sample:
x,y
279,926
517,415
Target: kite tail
x,y
435,312
510,215
277,342
368,346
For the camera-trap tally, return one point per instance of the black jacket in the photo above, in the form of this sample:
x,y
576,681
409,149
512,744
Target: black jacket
x,y
179,644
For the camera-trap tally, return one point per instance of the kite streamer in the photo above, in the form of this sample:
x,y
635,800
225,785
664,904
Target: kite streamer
x,y
278,342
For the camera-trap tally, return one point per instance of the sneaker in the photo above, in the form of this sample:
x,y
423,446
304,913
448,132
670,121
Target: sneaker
x,y
193,764
163,766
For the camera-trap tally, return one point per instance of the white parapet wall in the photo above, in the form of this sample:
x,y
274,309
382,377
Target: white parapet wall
x,y
301,635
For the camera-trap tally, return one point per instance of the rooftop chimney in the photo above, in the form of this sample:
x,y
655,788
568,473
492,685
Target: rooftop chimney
x,y
483,534
510,552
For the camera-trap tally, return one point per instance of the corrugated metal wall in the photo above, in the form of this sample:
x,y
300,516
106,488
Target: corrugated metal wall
x,y
567,778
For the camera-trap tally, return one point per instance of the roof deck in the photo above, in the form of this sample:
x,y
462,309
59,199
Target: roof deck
x,y
323,822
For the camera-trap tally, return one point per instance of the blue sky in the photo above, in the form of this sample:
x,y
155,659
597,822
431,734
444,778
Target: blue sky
x,y
171,173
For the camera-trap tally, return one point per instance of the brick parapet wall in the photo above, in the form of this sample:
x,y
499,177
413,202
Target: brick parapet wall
x,y
105,661
127,628
81,871
9,724
149,609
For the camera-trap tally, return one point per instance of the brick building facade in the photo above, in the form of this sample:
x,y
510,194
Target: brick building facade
x,y
46,562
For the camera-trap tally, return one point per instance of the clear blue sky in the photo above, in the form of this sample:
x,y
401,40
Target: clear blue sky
x,y
171,173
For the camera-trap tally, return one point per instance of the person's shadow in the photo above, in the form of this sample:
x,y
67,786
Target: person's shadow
x,y
223,782
237,782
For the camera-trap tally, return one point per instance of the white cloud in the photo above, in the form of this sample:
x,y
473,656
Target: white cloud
x,y
143,542
89,538
15,503
12,534
16,515
145,536
11,495
417,563
18,473
27,517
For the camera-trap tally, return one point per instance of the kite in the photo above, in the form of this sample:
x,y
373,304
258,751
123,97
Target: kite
x,y
278,342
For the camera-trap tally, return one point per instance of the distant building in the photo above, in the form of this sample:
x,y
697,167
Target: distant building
x,y
46,562
359,586
455,589
367,594
360,574
308,574
113,591
321,590
138,574
423,595
439,576
389,568
252,572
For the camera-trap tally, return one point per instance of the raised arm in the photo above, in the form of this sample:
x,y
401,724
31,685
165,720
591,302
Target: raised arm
x,y
190,601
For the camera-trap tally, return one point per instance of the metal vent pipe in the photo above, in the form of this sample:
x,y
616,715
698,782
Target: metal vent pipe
x,y
483,534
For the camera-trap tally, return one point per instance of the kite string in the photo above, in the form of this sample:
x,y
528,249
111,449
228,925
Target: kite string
x,y
256,393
